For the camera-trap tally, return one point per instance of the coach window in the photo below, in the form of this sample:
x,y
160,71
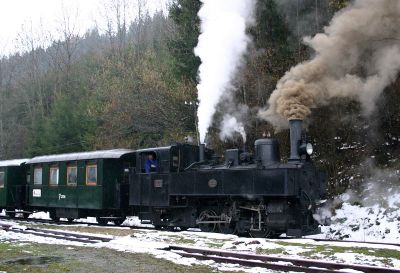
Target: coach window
x,y
91,175
72,175
37,176
1,179
53,181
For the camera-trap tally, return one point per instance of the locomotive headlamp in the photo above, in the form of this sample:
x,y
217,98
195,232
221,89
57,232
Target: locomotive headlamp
x,y
306,149
309,148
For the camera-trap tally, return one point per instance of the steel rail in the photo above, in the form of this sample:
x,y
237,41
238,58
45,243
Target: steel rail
x,y
76,235
307,265
248,263
57,235
352,241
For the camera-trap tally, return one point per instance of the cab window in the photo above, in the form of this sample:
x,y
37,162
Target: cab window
x,y
91,175
54,174
2,176
72,175
175,159
37,176
149,162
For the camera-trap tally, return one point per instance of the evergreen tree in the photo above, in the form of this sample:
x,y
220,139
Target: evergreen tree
x,y
184,40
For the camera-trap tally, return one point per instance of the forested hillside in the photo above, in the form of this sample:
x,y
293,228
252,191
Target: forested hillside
x,y
134,85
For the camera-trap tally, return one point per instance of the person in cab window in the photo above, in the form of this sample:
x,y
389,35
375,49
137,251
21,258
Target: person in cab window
x,y
151,164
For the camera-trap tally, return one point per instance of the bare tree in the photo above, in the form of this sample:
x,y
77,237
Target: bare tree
x,y
65,45
116,13
119,14
31,80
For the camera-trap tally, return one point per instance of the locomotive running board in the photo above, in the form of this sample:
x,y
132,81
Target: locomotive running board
x,y
213,222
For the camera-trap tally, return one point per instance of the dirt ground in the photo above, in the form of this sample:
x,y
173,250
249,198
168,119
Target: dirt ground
x,y
41,258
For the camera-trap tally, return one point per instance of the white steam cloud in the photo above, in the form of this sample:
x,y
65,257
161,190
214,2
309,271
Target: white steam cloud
x,y
222,44
230,126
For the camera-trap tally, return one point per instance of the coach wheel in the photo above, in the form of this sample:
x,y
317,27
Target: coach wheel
x,y
207,215
158,227
183,228
70,220
10,214
119,221
25,215
53,216
102,221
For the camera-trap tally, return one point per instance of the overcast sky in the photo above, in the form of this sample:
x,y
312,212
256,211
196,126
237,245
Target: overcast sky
x,y
16,15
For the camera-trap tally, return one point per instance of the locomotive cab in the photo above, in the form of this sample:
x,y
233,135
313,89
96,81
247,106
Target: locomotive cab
x,y
174,158
150,192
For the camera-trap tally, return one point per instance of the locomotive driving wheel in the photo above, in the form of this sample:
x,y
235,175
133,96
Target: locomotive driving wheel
x,y
263,233
227,228
230,226
207,215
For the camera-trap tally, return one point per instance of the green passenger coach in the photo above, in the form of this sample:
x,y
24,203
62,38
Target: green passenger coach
x,y
79,185
13,182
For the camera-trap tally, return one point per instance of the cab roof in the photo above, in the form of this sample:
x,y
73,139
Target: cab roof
x,y
164,148
103,154
154,149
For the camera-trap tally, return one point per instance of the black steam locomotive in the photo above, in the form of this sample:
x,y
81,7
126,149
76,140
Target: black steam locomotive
x,y
257,195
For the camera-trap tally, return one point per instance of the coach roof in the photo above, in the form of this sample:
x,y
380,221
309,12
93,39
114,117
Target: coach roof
x,y
13,162
116,153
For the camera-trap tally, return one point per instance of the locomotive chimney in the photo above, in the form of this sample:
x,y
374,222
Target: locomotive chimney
x,y
295,138
202,148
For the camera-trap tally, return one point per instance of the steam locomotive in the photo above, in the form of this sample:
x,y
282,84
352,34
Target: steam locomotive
x,y
246,194
259,195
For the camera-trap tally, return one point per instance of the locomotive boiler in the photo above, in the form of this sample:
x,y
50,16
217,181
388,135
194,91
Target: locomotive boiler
x,y
250,194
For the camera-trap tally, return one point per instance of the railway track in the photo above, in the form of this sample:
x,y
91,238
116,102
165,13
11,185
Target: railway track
x,y
62,235
51,222
274,263
282,264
